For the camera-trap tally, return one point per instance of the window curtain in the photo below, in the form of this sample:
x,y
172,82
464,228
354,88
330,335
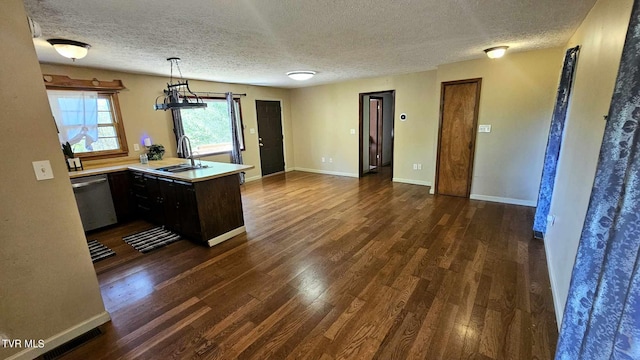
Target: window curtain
x,y
76,114
602,314
178,130
553,143
236,153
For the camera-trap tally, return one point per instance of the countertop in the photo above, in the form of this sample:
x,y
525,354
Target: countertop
x,y
212,171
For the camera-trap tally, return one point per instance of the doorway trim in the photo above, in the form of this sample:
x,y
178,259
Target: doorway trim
x,y
379,132
361,127
473,137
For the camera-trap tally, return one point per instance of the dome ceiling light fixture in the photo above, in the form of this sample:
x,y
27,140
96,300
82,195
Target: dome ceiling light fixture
x,y
178,95
70,48
301,75
496,52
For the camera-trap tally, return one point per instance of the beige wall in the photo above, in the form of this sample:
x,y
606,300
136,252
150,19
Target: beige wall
x,y
516,99
43,294
601,37
136,104
324,115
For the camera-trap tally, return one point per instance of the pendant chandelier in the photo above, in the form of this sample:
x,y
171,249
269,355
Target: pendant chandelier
x,y
178,95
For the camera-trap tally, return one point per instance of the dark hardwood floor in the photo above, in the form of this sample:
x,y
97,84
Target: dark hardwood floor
x,y
335,268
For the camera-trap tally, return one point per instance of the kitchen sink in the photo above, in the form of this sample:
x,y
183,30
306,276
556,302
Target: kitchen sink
x,y
180,168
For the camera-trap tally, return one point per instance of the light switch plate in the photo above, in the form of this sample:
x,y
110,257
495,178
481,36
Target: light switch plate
x,y
484,128
43,170
136,147
353,131
252,131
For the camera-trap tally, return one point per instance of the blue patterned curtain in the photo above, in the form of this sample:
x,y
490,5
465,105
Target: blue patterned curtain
x,y
602,313
236,153
553,143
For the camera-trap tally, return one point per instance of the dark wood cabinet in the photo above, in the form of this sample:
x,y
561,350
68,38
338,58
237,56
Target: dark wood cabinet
x,y
188,210
156,206
219,206
201,211
142,200
121,193
168,204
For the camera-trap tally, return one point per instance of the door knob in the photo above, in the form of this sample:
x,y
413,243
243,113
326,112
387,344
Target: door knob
x,y
259,139
261,144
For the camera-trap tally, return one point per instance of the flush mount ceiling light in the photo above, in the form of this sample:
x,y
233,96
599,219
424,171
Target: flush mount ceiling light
x,y
178,95
301,75
496,52
69,48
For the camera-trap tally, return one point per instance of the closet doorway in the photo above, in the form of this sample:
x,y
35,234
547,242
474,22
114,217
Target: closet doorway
x,y
459,105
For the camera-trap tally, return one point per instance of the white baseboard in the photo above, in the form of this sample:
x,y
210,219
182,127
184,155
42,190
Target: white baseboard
x,y
63,337
226,236
504,200
557,306
412,181
258,177
253,178
326,172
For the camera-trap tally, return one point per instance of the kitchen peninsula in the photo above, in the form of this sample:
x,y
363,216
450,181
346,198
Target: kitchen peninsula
x,y
203,204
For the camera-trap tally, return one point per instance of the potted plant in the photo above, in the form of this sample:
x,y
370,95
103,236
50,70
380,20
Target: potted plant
x,y
73,163
156,151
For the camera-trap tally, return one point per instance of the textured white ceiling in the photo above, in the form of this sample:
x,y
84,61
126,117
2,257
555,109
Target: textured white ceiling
x,y
258,41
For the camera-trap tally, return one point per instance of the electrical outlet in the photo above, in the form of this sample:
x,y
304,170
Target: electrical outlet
x,y
484,128
43,170
252,131
136,147
330,160
323,159
415,166
419,166
353,131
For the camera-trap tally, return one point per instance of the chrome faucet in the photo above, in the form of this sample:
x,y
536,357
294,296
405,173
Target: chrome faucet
x,y
190,156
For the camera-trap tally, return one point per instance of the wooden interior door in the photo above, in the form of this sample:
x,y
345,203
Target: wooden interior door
x,y
375,132
270,136
456,140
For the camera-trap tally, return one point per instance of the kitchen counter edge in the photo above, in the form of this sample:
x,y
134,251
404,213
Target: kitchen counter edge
x,y
212,171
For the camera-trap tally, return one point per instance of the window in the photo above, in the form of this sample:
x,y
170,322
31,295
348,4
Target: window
x,y
88,119
209,129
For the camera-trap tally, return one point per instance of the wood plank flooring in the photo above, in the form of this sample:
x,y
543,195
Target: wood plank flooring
x,y
335,268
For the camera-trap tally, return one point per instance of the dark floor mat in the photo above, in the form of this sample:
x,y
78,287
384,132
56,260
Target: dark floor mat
x,y
151,239
99,251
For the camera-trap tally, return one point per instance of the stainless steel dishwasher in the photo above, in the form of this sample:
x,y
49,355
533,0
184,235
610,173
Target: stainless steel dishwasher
x,y
93,197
